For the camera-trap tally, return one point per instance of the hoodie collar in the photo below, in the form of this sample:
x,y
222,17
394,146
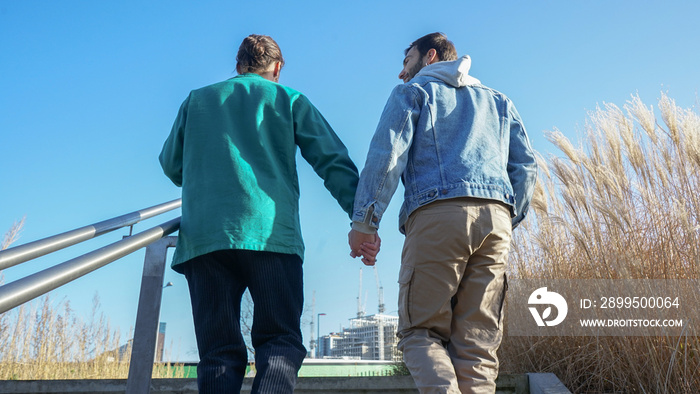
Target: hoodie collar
x,y
454,73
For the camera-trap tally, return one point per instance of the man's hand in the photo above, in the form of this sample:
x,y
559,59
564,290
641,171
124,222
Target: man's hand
x,y
365,245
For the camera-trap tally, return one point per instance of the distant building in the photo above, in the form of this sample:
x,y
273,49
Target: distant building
x,y
124,352
368,338
160,343
326,344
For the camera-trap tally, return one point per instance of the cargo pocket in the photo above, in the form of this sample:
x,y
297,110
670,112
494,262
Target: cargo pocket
x,y
405,282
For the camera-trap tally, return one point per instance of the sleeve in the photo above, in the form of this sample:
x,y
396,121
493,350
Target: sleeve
x,y
386,158
522,166
171,154
325,152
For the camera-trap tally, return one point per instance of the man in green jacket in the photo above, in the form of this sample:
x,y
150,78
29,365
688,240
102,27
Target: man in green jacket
x,y
232,148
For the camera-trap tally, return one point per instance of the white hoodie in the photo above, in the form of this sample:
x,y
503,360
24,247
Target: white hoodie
x,y
454,73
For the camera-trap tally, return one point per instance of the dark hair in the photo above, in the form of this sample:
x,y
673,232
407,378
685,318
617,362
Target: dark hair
x,y
256,53
445,48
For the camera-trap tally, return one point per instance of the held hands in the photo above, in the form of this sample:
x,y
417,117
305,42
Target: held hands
x,y
365,245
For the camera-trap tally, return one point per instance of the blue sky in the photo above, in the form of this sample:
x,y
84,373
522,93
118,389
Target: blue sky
x,y
89,91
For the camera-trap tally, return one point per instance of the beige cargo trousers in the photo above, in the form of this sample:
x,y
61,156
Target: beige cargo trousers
x,y
451,290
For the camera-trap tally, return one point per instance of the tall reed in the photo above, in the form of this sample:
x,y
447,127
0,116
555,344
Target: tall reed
x,y
622,204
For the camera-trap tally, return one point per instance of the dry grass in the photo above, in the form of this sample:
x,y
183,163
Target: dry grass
x,y
12,234
623,204
48,340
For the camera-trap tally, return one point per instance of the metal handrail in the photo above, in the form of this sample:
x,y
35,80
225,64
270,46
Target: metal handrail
x,y
156,242
22,290
22,253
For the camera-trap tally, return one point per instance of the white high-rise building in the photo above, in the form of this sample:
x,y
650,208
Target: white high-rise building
x,y
368,338
326,344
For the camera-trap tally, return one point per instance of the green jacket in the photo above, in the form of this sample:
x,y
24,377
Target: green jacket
x,y
232,148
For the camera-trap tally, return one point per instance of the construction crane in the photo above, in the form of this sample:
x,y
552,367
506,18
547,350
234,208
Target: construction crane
x,y
380,292
360,309
380,296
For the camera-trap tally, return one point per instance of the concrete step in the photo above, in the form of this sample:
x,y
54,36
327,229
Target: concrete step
x,y
534,383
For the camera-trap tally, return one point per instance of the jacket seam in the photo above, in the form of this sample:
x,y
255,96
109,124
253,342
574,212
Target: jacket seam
x,y
388,163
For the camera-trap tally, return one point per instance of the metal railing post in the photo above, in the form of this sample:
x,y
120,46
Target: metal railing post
x,y
146,329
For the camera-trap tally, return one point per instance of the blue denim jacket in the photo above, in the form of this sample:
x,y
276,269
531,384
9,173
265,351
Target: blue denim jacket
x,y
446,136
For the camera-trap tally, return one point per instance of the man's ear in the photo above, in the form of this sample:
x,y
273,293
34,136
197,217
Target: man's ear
x,y
276,71
432,56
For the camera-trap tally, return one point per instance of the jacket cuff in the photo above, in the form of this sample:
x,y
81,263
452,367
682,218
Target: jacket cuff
x,y
364,228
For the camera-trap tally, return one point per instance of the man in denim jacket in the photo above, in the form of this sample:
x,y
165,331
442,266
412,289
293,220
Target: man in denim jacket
x,y
464,157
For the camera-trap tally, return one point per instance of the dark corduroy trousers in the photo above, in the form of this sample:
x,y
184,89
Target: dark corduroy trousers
x,y
217,282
